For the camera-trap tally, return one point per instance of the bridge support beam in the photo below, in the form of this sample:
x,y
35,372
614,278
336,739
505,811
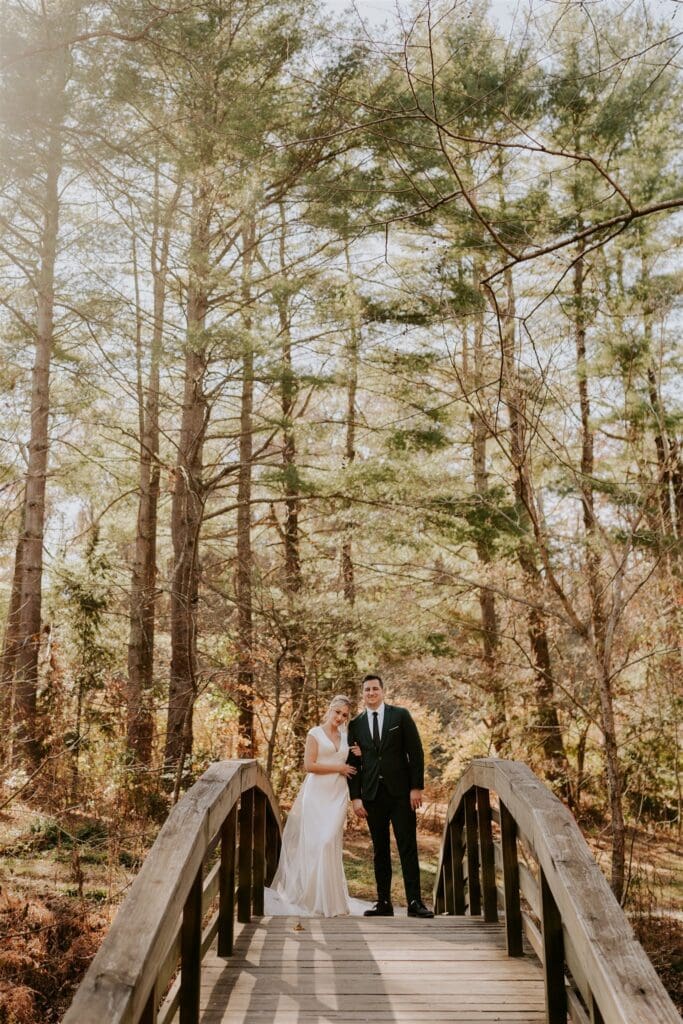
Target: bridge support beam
x,y
488,864
149,1014
553,957
259,854
226,898
513,912
444,899
246,820
272,847
472,840
191,953
595,1015
457,854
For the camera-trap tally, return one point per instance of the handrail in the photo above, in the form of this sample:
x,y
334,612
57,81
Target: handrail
x,y
160,924
596,972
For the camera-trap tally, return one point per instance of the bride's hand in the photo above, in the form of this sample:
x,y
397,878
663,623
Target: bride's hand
x,y
355,750
347,770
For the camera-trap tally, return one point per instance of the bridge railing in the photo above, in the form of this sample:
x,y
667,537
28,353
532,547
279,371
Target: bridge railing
x,y
523,853
219,845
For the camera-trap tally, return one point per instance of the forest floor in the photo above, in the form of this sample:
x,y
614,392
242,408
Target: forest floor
x,y
62,880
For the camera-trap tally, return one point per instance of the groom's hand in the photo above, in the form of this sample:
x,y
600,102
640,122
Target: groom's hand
x,y
359,810
415,798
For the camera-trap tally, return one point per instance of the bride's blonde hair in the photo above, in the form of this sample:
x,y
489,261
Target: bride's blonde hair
x,y
338,701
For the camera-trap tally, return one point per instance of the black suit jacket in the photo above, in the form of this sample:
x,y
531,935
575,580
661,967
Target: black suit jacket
x,y
399,760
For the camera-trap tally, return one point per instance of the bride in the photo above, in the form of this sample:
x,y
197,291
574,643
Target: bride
x,y
310,876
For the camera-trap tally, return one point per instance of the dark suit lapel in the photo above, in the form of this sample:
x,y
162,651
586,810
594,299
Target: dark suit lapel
x,y
389,715
363,724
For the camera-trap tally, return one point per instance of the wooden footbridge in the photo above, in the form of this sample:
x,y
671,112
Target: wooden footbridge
x,y
527,930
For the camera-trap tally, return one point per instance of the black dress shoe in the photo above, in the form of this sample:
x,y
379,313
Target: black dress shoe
x,y
381,909
416,908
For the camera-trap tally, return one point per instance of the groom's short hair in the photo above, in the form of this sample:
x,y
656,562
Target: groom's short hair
x,y
371,675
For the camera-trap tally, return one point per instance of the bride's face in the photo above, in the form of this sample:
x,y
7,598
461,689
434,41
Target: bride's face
x,y
338,717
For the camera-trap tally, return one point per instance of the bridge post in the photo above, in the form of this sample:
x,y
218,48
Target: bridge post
x,y
488,864
272,844
191,953
246,821
457,853
444,898
553,957
472,840
149,1014
439,899
226,885
513,913
594,1011
259,864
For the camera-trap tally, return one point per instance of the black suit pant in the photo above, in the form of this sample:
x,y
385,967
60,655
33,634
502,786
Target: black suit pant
x,y
383,811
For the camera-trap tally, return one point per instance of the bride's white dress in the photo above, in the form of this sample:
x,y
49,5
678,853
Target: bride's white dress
x,y
310,879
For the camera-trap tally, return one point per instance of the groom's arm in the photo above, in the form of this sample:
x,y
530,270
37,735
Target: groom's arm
x,y
412,745
353,759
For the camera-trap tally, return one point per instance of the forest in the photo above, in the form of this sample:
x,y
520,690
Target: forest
x,y
330,346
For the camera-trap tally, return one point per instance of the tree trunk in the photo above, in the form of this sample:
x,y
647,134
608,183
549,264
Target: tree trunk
x,y
580,766
294,663
243,581
275,722
350,670
601,648
664,466
677,484
547,720
143,578
28,746
495,686
10,647
662,443
188,499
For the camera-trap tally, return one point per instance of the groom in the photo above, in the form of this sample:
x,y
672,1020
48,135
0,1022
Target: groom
x,y
387,789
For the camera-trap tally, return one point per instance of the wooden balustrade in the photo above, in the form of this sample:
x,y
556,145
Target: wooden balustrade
x,y
595,970
148,969
521,854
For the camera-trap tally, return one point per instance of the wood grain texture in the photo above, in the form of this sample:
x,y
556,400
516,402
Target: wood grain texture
x,y
226,909
245,856
191,953
553,957
348,970
453,968
472,846
621,984
488,865
513,915
121,978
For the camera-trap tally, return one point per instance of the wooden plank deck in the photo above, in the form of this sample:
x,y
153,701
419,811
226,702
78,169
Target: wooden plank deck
x,y
349,970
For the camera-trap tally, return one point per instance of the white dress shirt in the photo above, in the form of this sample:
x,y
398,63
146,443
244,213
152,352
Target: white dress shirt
x,y
380,718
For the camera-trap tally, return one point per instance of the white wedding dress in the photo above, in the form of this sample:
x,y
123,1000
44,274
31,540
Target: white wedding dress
x,y
310,880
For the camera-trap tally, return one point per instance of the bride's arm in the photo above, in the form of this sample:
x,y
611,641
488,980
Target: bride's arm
x,y
311,762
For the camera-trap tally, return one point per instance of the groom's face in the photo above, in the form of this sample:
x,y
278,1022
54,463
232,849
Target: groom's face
x,y
373,694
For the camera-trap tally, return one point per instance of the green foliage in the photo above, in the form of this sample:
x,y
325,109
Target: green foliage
x,y
439,644
48,834
489,520
87,595
292,480
381,395
398,313
430,439
462,298
399,361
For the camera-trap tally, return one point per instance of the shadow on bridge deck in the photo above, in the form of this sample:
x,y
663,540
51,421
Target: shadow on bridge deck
x,y
348,970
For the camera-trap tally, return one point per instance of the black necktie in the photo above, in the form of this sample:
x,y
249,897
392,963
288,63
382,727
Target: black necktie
x,y
375,728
